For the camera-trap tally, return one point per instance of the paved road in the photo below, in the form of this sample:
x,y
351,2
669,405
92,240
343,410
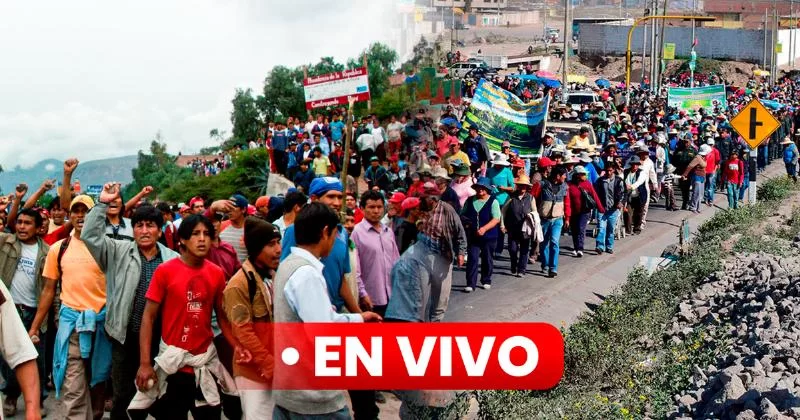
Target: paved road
x,y
581,282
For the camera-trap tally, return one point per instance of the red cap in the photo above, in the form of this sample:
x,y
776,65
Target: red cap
x,y
262,201
184,208
195,200
545,162
410,203
397,198
251,210
519,163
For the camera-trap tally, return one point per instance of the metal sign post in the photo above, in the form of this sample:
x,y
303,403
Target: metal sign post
x,y
751,195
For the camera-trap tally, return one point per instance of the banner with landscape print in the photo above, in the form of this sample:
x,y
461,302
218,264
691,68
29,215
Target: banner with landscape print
x,y
501,116
706,97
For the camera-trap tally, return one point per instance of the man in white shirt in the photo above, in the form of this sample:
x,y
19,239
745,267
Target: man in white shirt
x,y
394,135
22,256
301,295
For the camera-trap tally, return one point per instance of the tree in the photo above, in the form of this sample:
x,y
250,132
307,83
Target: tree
x,y
245,117
246,175
157,169
395,102
326,65
217,134
283,94
380,62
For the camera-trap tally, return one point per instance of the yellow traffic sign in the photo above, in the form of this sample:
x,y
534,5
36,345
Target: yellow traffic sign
x,y
754,123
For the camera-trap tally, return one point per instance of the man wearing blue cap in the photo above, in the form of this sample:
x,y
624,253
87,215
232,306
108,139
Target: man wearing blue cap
x,y
328,190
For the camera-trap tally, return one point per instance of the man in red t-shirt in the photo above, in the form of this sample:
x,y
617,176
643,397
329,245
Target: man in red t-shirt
x,y
184,291
713,162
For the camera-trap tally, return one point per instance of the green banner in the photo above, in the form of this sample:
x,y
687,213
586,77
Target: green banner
x,y
669,51
700,97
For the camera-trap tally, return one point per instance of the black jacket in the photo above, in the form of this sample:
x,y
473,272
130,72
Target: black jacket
x,y
610,199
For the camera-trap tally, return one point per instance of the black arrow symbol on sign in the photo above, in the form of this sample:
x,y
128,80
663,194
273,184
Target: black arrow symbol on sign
x,y
754,123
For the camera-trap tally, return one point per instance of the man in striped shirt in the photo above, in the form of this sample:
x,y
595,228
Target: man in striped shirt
x,y
232,230
442,229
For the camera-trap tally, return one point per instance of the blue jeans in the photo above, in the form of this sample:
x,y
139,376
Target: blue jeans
x,y
697,191
711,184
733,195
11,388
549,248
605,230
745,186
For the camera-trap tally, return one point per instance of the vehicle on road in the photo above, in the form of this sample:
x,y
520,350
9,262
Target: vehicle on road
x,y
481,73
576,99
459,70
566,130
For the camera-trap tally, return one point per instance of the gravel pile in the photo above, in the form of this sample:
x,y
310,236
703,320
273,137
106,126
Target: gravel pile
x,y
754,303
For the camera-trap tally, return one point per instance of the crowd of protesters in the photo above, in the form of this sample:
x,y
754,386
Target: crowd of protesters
x,y
141,308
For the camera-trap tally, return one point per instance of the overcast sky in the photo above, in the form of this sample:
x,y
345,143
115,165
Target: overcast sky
x,y
98,78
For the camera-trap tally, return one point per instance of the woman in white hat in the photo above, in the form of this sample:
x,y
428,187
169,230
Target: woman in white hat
x,y
696,174
502,180
790,157
668,187
521,221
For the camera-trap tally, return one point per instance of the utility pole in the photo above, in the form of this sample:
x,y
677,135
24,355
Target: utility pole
x,y
764,61
792,40
567,36
774,45
660,47
545,12
654,12
644,47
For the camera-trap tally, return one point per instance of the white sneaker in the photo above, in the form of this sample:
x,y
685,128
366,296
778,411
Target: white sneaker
x,y
468,289
580,254
574,253
486,286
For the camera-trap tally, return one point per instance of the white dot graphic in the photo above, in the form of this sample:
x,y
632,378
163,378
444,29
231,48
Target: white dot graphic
x,y
290,356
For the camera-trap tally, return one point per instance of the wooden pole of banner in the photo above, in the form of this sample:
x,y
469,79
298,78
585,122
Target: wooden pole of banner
x,y
348,137
305,76
369,102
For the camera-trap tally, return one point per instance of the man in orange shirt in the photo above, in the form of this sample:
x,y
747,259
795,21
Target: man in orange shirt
x,y
81,338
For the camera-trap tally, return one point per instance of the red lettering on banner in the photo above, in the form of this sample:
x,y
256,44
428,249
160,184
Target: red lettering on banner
x,y
418,356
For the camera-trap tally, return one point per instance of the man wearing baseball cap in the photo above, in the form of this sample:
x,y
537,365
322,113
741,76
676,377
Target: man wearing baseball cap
x,y
197,205
83,296
328,191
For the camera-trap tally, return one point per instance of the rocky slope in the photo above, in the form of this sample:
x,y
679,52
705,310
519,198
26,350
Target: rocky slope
x,y
754,305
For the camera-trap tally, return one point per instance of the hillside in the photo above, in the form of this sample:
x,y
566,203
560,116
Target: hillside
x,y
90,172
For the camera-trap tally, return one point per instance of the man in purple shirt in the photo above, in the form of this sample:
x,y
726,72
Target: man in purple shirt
x,y
377,251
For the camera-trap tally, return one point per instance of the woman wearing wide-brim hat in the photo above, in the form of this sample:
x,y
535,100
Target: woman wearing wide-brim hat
x,y
481,219
521,222
790,157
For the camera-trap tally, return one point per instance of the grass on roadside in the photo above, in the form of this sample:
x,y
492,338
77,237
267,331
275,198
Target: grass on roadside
x,y
617,361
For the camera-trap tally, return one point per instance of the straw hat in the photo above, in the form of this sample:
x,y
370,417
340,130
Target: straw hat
x,y
523,180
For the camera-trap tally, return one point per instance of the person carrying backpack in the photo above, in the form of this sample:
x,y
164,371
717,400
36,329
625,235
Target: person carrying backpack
x,y
583,201
248,304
